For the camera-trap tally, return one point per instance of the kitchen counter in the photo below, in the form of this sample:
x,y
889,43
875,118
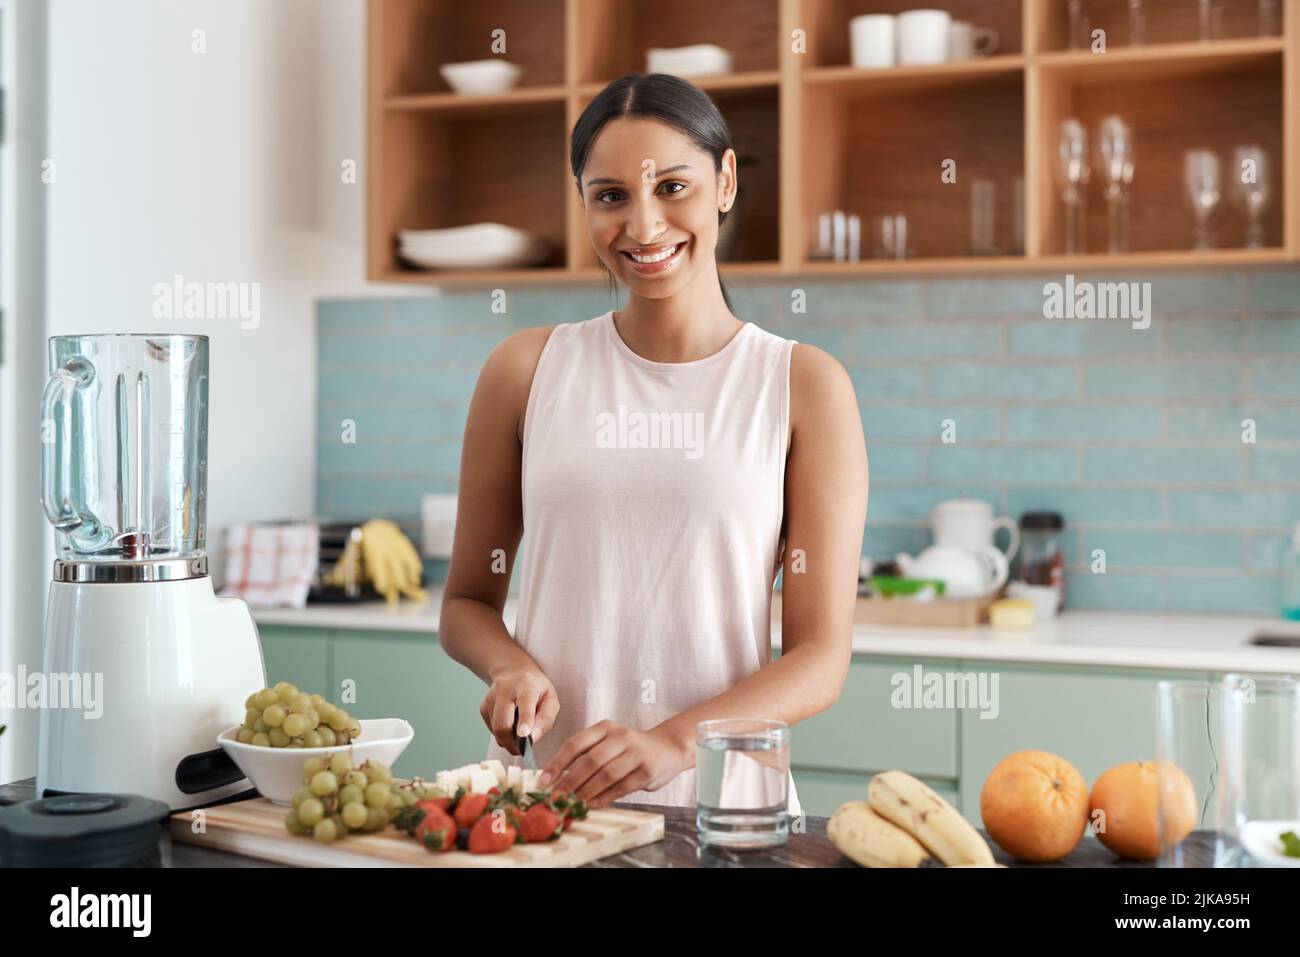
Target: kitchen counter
x,y
680,848
1216,643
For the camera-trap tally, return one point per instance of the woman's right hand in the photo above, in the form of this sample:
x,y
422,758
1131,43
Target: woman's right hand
x,y
527,689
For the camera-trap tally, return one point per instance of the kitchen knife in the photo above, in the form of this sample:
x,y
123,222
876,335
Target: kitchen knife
x,y
525,745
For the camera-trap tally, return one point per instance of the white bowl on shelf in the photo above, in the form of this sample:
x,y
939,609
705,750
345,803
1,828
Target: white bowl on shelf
x,y
481,77
277,772
477,246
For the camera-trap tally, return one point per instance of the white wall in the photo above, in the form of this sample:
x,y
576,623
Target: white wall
x,y
222,166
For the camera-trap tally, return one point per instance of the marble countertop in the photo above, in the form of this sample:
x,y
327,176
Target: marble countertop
x,y
1076,638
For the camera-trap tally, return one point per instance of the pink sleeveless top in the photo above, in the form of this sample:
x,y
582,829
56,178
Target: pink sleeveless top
x,y
652,500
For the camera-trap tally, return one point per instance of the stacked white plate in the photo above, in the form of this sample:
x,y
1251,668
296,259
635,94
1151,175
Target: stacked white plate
x,y
477,246
701,59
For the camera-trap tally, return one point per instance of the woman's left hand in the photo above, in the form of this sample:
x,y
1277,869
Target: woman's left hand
x,y
606,761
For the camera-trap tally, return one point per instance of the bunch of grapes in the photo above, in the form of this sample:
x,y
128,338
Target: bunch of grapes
x,y
284,717
337,798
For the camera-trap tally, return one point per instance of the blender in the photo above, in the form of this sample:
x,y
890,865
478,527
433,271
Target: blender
x,y
132,613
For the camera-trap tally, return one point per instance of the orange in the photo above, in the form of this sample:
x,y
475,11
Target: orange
x,y
1035,806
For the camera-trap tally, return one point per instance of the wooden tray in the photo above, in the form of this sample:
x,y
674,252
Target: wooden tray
x,y
256,828
940,613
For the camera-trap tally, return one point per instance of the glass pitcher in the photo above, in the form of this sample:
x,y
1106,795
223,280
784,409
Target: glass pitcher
x,y
124,430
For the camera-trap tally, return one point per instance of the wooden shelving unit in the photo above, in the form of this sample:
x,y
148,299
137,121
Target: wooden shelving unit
x,y
815,134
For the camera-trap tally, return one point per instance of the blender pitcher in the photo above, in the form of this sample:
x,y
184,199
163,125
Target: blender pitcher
x,y
124,427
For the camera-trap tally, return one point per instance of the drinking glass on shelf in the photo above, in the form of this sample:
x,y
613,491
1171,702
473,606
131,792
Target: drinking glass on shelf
x,y
1115,154
1251,192
1204,191
1209,19
983,210
1137,22
1270,24
1079,36
1073,173
1193,792
1262,762
1018,216
889,236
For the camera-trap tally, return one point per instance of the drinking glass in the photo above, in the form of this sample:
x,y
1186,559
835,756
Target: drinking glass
x,y
1191,743
1209,19
1270,24
1115,154
1137,23
889,235
1204,191
742,780
1073,173
1251,192
1262,725
983,206
1079,37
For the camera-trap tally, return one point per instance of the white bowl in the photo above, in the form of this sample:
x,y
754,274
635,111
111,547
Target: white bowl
x,y
277,772
480,76
1260,838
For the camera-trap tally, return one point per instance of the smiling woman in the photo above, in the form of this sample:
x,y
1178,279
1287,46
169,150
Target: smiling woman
x,y
667,460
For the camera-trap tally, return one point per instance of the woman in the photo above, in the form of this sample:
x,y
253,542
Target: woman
x,y
666,460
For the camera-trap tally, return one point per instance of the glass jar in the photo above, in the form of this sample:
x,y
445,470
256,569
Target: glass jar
x,y
1042,556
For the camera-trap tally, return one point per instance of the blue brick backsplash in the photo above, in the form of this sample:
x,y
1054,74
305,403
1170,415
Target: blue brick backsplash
x,y
1140,437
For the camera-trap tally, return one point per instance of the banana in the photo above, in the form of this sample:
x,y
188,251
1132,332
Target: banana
x,y
867,838
902,799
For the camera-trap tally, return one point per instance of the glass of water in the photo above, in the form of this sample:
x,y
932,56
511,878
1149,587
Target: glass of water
x,y
742,777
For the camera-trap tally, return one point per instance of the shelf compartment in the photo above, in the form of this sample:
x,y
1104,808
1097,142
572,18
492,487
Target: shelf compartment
x,y
866,153
613,35
443,169
411,39
1171,61
913,79
827,23
1217,102
1167,22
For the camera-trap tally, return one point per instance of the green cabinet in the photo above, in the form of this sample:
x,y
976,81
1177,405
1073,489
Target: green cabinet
x,y
387,674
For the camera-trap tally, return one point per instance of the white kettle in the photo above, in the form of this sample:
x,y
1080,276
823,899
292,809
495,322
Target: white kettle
x,y
965,574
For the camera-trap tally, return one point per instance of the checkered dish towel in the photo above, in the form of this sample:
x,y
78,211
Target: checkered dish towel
x,y
271,566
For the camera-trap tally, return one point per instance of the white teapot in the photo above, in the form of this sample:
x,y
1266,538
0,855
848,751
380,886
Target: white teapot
x,y
964,573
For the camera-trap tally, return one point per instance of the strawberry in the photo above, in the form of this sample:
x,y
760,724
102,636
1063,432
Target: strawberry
x,y
470,808
489,837
540,823
437,831
438,804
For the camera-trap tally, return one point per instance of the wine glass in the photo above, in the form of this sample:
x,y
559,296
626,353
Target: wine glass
x,y
1073,173
1204,191
1115,156
1251,190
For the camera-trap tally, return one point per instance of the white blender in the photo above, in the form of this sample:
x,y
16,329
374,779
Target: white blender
x,y
124,479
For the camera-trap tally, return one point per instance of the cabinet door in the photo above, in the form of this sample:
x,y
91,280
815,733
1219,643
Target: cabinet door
x,y
822,792
1093,719
299,655
408,675
864,731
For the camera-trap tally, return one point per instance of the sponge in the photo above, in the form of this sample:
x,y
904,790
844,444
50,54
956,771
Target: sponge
x,y
1012,613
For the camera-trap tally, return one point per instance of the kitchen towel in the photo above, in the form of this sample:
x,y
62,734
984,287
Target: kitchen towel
x,y
271,566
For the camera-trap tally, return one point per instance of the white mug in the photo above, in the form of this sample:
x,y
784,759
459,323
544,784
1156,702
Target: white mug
x,y
966,41
872,40
968,523
923,37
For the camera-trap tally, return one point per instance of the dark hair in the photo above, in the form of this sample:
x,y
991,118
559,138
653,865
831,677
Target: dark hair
x,y
654,96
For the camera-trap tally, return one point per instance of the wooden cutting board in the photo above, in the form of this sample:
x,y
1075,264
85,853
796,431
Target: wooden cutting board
x,y
255,828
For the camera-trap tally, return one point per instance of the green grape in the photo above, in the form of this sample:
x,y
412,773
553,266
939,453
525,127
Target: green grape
x,y
340,719
261,727
394,802
351,794
300,795
326,733
340,764
324,711
323,783
378,772
278,738
294,743
251,716
357,779
313,717
408,798
285,687
265,698
376,819
299,703
317,699
295,725
295,826
312,739
261,740
355,815
310,811
311,766
325,830
377,795
274,715
245,736
354,728
251,701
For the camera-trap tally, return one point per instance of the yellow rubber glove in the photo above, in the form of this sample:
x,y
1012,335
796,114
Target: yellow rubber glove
x,y
391,562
